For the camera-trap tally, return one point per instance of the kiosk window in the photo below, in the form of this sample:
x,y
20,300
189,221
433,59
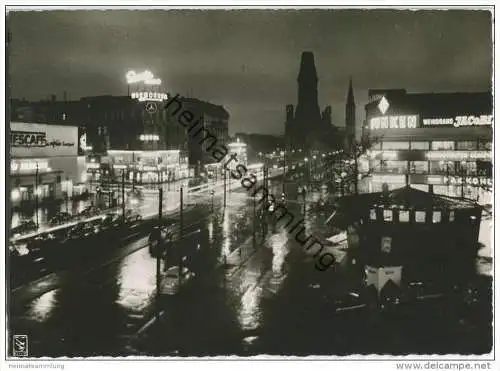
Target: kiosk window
x,y
436,216
404,216
420,216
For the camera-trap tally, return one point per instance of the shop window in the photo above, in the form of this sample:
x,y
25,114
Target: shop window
x,y
387,215
420,145
485,146
420,216
399,167
468,168
418,167
452,216
436,216
373,214
468,145
443,145
443,167
404,216
395,145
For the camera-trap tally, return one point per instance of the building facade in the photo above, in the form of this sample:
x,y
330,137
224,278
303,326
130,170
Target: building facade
x,y
435,142
210,128
44,163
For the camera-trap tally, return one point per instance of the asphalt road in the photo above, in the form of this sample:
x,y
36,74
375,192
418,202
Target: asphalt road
x,y
267,299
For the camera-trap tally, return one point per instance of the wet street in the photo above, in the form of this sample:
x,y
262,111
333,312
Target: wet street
x,y
262,297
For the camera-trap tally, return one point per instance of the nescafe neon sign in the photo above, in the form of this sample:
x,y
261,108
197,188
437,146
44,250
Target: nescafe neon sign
x,y
28,139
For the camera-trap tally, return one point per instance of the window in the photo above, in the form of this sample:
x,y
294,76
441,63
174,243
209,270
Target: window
x,y
376,166
420,145
420,216
387,215
485,146
443,167
404,216
436,216
399,167
443,145
468,168
452,216
418,167
373,214
468,145
395,145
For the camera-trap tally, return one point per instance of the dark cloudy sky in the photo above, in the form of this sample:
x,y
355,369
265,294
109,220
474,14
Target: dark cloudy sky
x,y
248,60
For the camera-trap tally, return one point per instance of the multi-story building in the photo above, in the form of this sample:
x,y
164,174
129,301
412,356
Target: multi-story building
x,y
44,163
211,128
439,142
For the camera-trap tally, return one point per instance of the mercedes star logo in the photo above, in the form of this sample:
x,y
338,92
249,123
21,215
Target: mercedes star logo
x,y
151,107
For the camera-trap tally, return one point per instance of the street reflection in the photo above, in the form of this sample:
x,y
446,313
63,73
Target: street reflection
x,y
226,244
250,312
136,281
278,244
41,308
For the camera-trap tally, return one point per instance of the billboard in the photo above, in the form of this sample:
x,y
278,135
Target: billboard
x,y
40,140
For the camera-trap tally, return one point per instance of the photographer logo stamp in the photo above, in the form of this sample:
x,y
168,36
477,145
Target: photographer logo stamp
x,y
20,345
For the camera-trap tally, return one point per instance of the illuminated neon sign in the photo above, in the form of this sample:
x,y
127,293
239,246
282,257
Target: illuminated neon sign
x,y
474,181
483,120
383,155
24,166
458,155
393,178
394,122
146,77
154,96
149,137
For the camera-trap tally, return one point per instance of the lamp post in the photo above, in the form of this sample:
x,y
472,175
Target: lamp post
x,y
462,175
225,187
67,194
283,153
181,232
36,195
123,196
254,219
158,255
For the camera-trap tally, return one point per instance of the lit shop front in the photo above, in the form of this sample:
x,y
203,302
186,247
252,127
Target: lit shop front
x,y
45,165
442,143
147,167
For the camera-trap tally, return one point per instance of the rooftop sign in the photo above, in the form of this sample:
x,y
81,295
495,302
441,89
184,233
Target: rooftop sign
x,y
483,120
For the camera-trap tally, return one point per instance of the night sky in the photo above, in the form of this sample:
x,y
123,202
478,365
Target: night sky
x,y
248,60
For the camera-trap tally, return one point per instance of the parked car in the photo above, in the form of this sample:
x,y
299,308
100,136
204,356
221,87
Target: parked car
x,y
18,249
60,218
26,226
132,217
81,231
174,280
109,221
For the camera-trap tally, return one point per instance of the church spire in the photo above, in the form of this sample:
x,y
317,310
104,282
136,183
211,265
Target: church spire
x,y
350,119
350,93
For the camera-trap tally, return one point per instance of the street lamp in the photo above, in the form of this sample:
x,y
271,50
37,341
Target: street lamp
x,y
37,191
283,153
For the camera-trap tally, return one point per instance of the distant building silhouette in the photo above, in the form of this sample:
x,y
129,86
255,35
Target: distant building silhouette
x,y
350,119
309,128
